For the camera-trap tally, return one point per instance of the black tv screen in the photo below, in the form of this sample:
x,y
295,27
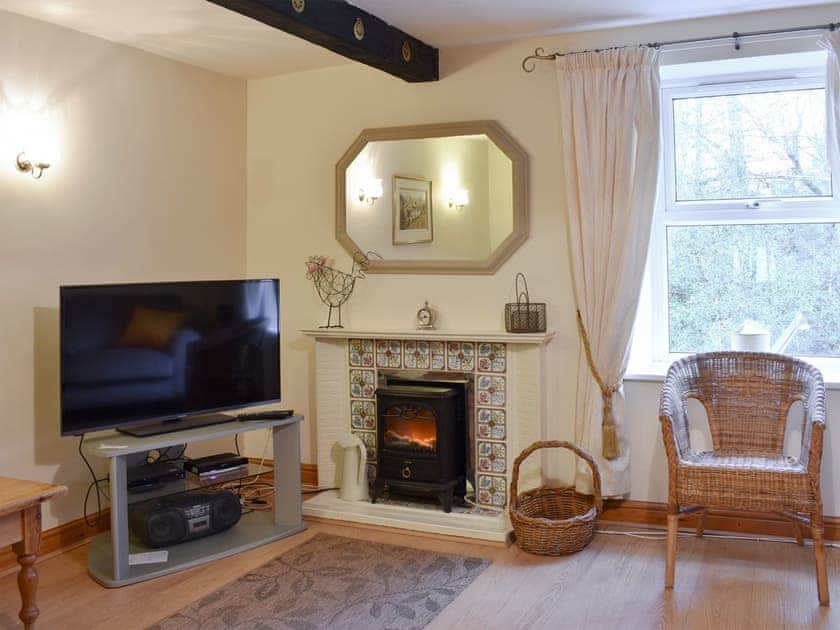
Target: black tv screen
x,y
140,353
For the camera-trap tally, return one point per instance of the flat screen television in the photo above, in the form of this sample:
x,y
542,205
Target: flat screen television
x,y
138,355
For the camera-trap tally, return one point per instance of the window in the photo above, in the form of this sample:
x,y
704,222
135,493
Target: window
x,y
747,228
750,145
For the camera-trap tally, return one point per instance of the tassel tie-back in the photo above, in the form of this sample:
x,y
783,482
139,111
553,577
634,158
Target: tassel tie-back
x,y
609,433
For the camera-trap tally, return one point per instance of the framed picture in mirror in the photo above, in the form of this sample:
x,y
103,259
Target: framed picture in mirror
x,y
413,221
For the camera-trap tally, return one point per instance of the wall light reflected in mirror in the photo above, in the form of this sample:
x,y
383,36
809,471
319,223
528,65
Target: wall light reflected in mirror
x,y
370,191
459,198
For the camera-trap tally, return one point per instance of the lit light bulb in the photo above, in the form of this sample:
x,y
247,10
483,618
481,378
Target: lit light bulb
x,y
459,198
371,191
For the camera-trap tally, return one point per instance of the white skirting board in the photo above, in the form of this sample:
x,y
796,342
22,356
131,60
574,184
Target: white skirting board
x,y
494,528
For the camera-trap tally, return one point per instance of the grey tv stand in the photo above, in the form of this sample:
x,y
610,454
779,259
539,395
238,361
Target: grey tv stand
x,y
108,555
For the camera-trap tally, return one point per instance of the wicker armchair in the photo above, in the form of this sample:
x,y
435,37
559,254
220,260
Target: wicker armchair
x,y
747,397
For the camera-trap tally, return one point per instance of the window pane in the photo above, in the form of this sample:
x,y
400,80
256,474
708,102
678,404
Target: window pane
x,y
751,146
721,275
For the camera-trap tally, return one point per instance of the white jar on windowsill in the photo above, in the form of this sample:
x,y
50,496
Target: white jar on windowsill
x,y
751,337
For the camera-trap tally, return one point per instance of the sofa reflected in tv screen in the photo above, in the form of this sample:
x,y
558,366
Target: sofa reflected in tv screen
x,y
133,354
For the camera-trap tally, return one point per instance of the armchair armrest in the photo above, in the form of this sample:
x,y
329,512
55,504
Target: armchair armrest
x,y
812,433
180,351
674,419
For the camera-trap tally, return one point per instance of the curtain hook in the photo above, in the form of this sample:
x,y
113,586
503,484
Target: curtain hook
x,y
737,37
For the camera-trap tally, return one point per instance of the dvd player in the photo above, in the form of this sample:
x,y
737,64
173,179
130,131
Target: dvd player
x,y
150,476
215,463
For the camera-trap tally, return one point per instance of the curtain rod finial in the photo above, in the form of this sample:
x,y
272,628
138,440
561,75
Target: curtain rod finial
x,y
528,64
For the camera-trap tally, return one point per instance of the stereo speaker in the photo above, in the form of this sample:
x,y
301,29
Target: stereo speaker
x,y
174,519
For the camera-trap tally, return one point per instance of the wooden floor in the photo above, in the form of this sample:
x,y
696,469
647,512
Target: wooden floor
x,y
615,582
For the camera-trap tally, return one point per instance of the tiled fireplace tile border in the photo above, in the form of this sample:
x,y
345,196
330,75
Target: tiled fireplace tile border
x,y
369,440
362,384
363,415
388,353
460,356
487,361
491,424
417,355
492,357
492,457
491,390
492,490
361,352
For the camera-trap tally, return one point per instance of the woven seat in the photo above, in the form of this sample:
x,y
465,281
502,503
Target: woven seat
x,y
747,398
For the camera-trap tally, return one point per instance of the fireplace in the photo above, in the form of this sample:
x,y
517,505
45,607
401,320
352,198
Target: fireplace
x,y
421,439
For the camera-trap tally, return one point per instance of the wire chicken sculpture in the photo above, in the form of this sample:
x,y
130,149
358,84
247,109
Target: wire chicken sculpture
x,y
335,287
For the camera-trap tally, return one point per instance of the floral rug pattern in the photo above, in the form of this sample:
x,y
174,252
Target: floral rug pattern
x,y
337,583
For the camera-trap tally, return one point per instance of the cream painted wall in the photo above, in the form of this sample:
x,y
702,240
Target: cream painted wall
x,y
300,124
150,185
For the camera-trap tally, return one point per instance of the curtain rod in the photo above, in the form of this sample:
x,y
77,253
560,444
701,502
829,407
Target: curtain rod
x,y
528,64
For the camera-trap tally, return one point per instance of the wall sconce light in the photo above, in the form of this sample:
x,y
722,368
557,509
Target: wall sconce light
x,y
36,169
370,192
459,199
29,134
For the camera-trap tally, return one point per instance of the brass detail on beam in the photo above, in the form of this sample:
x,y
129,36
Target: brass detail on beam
x,y
347,30
406,51
359,29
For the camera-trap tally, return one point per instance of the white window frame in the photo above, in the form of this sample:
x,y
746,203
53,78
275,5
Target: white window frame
x,y
651,347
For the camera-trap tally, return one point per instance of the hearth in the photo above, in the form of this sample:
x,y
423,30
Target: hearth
x,y
421,440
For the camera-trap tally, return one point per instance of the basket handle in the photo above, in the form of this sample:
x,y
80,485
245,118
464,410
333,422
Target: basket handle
x,y
522,296
596,476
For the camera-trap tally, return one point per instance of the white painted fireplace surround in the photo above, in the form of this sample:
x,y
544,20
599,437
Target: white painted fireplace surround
x,y
510,395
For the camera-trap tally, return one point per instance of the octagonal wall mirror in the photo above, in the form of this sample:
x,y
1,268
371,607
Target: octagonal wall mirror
x,y
446,198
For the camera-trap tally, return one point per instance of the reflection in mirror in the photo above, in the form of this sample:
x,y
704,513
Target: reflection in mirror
x,y
445,198
442,198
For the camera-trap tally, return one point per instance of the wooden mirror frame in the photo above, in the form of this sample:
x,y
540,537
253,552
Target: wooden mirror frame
x,y
501,138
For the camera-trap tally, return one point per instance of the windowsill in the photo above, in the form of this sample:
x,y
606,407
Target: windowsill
x,y
655,373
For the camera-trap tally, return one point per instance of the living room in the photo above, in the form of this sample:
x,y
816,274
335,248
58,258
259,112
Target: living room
x,y
189,142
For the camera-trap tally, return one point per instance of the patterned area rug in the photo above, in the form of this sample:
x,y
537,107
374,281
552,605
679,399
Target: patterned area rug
x,y
334,582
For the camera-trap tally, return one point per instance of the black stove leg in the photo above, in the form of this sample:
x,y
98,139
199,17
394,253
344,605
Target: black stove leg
x,y
377,488
445,498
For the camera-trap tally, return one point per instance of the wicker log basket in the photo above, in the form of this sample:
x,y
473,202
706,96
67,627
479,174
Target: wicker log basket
x,y
554,521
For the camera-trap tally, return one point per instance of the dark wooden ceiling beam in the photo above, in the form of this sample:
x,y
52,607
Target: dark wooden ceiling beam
x,y
348,31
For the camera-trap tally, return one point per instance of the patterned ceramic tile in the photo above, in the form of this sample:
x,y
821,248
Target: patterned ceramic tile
x,y
363,415
361,352
492,357
492,490
371,471
460,356
491,390
362,383
438,351
492,457
417,355
369,438
491,424
388,353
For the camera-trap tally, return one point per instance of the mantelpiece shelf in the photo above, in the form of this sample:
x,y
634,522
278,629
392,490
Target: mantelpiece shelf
x,y
539,339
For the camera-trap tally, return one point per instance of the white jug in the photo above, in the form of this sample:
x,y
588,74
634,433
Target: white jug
x,y
354,484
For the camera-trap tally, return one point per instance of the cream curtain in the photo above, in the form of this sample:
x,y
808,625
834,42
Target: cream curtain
x,y
831,42
609,111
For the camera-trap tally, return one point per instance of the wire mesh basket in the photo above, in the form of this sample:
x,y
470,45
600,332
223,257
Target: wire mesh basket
x,y
524,316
